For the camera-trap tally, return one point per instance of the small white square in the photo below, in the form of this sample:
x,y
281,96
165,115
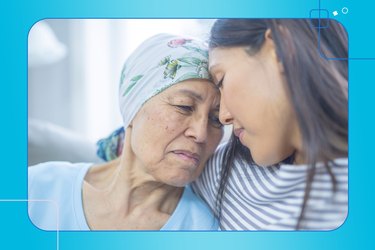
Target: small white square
x,y
335,13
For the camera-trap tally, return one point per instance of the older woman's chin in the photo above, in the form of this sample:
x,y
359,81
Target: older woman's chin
x,y
180,180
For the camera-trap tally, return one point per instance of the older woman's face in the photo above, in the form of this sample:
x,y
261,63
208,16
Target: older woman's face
x,y
255,101
175,132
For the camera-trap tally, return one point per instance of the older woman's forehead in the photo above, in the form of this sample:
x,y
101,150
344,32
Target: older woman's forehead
x,y
205,94
198,86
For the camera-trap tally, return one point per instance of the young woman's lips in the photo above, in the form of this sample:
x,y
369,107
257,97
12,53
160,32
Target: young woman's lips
x,y
188,156
239,132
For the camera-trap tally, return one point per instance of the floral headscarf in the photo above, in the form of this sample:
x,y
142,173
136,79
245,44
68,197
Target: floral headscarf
x,y
158,63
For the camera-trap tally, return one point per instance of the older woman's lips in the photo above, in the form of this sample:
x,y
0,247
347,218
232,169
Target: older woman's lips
x,y
187,156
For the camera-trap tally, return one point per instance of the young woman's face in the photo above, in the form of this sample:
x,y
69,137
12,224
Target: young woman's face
x,y
254,100
175,132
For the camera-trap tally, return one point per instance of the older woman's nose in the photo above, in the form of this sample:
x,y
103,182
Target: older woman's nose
x,y
224,116
198,129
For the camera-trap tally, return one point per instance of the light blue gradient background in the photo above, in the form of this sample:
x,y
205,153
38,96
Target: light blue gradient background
x,y
16,232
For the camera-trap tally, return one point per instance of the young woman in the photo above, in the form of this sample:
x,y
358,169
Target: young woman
x,y
286,166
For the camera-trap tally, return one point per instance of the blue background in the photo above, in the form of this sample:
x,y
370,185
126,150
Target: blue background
x,y
17,17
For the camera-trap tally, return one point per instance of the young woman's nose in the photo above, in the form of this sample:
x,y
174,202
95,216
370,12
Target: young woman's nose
x,y
224,116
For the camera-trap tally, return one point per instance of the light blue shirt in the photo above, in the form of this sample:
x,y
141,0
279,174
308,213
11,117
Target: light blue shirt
x,y
55,201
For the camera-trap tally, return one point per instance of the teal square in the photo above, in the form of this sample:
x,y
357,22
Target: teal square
x,y
322,15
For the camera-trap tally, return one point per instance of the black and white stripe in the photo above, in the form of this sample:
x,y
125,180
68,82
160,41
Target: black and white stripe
x,y
271,198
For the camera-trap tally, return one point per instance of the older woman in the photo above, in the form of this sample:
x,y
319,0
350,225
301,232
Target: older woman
x,y
170,111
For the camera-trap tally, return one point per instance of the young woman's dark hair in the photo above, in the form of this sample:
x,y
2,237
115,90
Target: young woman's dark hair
x,y
316,75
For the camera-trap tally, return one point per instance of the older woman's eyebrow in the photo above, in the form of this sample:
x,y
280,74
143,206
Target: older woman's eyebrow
x,y
191,94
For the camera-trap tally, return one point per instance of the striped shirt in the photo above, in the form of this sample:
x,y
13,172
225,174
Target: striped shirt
x,y
258,198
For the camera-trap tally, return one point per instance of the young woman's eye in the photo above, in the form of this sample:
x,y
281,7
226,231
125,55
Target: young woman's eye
x,y
220,83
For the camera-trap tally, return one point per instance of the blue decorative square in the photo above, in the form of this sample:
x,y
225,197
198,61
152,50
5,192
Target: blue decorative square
x,y
323,18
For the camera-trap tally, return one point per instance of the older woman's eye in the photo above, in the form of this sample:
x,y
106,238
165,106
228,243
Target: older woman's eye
x,y
216,122
185,108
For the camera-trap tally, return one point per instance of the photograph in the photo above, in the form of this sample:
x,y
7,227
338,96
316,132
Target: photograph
x,y
237,124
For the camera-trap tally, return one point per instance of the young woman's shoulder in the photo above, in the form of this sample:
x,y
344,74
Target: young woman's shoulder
x,y
250,187
207,184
